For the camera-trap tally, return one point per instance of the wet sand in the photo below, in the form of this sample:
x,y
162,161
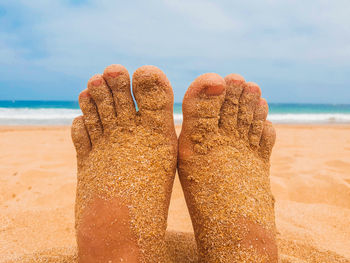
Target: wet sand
x,y
310,178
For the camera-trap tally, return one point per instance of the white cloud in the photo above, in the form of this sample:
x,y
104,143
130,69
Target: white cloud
x,y
190,35
260,29
204,14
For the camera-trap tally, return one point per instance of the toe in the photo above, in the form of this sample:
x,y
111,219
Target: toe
x,y
80,137
118,80
201,107
248,101
91,117
257,125
267,140
229,110
154,96
103,98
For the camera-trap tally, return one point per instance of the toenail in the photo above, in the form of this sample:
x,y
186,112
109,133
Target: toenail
x,y
253,87
96,82
234,78
214,90
84,94
114,74
262,102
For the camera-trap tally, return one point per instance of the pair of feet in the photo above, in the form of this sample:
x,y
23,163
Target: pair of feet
x,y
127,161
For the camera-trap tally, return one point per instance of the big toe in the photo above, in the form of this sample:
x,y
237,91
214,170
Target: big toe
x,y
154,96
201,107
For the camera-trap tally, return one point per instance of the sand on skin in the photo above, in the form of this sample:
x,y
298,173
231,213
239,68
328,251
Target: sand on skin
x,y
310,178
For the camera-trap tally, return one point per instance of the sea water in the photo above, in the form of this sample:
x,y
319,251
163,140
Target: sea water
x,y
63,112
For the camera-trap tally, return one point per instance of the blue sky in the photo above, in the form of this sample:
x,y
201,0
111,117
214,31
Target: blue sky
x,y
297,51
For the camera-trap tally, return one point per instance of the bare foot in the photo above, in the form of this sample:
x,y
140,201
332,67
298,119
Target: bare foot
x,y
224,150
126,166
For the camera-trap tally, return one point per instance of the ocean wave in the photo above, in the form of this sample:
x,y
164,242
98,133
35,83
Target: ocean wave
x,y
59,116
309,118
295,118
27,116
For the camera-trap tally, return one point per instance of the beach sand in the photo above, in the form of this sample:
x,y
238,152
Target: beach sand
x,y
310,178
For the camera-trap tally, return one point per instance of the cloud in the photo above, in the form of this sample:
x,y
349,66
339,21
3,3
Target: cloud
x,y
204,15
268,41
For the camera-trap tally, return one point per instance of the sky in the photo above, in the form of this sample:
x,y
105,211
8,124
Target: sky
x,y
297,51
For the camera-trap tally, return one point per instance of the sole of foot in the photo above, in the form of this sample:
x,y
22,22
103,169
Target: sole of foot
x,y
126,166
224,150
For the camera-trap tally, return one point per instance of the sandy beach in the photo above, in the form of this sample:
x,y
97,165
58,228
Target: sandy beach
x,y
310,178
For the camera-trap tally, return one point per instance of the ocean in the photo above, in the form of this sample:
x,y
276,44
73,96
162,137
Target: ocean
x,y
63,112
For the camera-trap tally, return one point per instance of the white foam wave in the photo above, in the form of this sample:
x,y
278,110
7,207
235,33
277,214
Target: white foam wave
x,y
310,118
298,118
26,116
178,118
45,116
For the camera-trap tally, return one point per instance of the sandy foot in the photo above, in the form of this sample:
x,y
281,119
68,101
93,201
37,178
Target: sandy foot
x,y
126,166
224,150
